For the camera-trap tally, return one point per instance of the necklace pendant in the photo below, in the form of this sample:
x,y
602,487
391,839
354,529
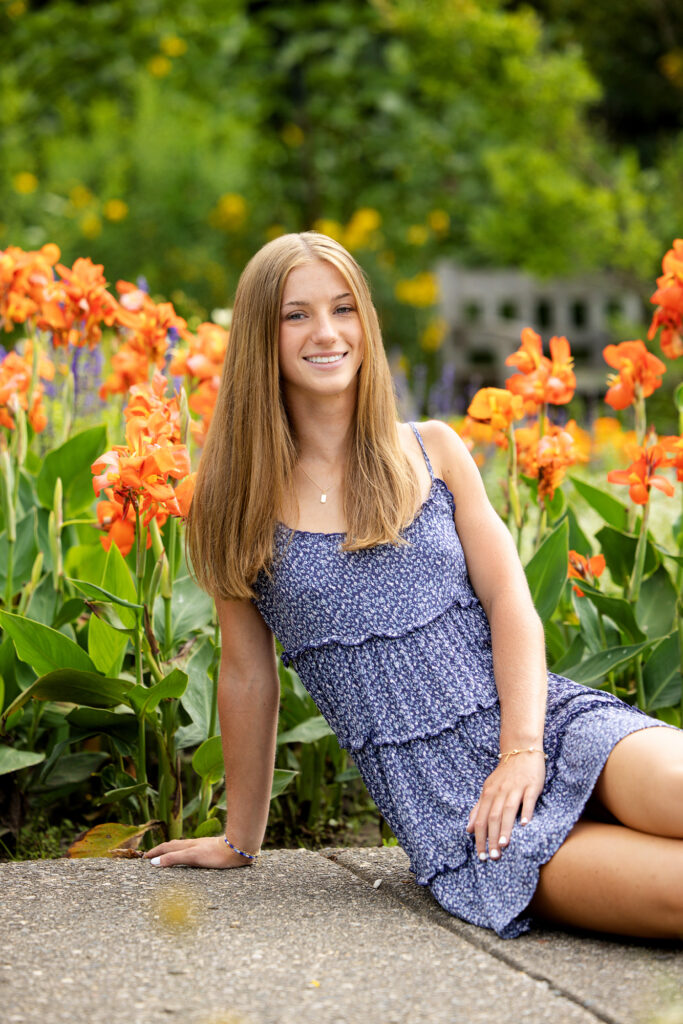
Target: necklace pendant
x,y
323,498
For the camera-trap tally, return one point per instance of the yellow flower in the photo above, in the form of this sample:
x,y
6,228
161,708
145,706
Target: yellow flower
x,y
115,209
90,225
24,183
292,135
404,364
80,197
329,227
173,46
16,9
229,213
274,231
159,66
361,228
439,221
433,335
421,290
417,234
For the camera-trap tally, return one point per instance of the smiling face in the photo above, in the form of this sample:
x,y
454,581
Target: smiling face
x,y
320,342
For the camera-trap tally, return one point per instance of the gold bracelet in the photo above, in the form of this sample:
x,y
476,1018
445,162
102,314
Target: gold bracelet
x,y
523,750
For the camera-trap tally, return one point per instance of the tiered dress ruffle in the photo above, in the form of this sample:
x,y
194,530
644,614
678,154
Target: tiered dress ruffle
x,y
394,647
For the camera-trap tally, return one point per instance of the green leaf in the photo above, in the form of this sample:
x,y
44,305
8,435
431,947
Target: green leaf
x,y
556,506
282,778
69,612
595,668
114,795
198,696
619,550
74,687
106,645
589,622
25,551
43,648
101,720
546,572
617,609
95,593
578,541
12,760
310,731
656,606
614,512
662,674
85,562
571,657
210,827
208,760
146,698
71,461
191,610
103,840
71,769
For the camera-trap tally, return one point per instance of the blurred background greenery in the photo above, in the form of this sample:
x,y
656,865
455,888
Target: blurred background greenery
x,y
171,138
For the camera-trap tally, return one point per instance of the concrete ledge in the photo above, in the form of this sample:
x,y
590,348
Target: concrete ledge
x,y
301,937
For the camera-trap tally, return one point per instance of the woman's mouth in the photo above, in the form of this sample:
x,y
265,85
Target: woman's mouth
x,y
330,360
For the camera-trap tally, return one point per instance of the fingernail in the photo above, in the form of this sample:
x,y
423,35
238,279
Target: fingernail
x,y
525,821
503,841
483,856
495,854
156,861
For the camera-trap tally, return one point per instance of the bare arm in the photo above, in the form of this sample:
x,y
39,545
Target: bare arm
x,y
517,638
248,704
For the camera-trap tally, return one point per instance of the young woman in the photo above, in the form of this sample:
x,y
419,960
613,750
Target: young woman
x,y
369,548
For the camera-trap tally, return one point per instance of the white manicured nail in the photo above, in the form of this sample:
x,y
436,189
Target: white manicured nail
x,y
502,841
495,854
525,821
156,861
483,856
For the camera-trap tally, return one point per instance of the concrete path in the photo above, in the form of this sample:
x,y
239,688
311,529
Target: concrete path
x,y
340,936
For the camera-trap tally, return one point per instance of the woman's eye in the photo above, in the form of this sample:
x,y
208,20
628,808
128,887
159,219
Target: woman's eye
x,y
345,309
293,316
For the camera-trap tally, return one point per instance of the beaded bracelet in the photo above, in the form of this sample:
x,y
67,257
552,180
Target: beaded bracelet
x,y
523,750
251,856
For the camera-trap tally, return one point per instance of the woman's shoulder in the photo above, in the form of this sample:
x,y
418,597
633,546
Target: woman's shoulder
x,y
446,450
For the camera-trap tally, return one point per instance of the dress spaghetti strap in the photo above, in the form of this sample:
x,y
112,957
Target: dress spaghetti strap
x,y
424,450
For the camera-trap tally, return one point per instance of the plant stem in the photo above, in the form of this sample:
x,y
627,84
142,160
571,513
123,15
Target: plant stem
x,y
513,486
639,561
640,690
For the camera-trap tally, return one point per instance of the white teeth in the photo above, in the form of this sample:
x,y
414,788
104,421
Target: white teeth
x,y
325,359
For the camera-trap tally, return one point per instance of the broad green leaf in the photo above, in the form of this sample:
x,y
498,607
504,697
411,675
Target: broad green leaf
x,y
191,610
619,550
101,720
85,562
347,775
656,606
617,609
282,778
104,840
114,795
210,827
662,674
556,506
108,614
306,732
118,581
597,666
25,551
199,693
590,623
43,648
546,572
555,643
71,461
69,612
578,541
71,769
74,687
106,646
12,760
43,604
146,698
208,760
96,593
614,512
572,656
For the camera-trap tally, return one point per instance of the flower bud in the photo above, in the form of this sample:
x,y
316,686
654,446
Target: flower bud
x,y
57,504
184,417
22,436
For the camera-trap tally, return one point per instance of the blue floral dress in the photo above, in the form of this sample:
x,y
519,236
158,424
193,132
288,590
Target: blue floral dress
x,y
394,647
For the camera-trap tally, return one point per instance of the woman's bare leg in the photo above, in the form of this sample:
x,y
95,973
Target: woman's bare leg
x,y
642,782
611,878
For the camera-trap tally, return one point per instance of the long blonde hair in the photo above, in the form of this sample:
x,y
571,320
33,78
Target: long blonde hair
x,y
247,467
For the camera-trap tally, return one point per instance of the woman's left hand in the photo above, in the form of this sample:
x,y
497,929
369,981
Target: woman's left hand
x,y
518,782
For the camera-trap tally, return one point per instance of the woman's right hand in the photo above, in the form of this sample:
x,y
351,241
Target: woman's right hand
x,y
208,852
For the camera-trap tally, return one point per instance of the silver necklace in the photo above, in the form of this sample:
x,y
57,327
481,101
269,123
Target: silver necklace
x,y
324,493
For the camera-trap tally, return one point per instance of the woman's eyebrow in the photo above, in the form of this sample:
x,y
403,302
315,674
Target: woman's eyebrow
x,y
302,302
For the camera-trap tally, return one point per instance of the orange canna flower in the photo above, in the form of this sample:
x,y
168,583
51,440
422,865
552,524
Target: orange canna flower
x,y
640,476
495,409
674,445
159,413
203,361
588,569
542,380
23,278
637,368
75,307
547,458
16,376
669,301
